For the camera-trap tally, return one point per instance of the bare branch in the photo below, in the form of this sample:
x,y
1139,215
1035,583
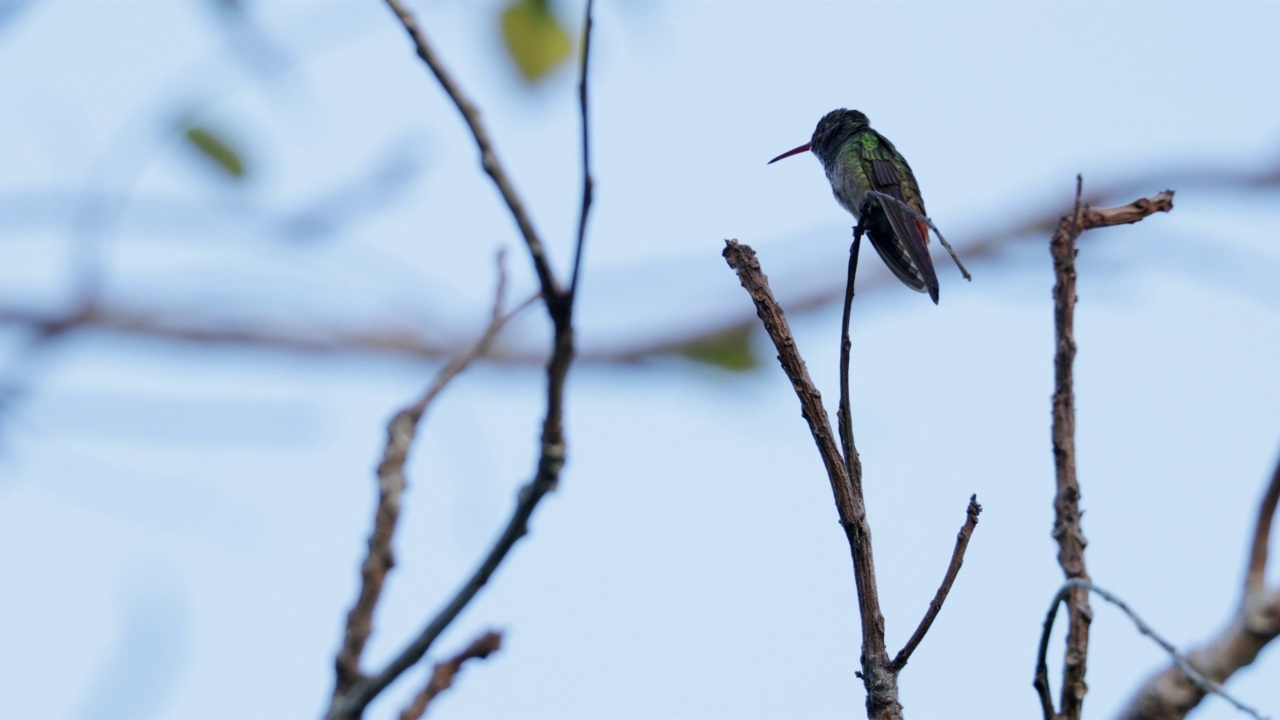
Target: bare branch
x,y
443,674
743,260
587,182
488,158
879,680
953,569
362,692
1066,505
844,414
1041,682
401,431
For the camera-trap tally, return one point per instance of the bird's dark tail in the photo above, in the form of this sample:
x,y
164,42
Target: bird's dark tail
x,y
908,258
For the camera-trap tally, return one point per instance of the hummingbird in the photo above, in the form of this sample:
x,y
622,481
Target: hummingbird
x,y
858,160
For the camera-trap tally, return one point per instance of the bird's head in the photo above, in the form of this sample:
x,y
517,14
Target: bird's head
x,y
832,130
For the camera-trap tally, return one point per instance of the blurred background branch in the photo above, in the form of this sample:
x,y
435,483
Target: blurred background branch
x,y
726,330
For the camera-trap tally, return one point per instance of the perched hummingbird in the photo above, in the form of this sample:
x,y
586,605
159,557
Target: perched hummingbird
x,y
858,159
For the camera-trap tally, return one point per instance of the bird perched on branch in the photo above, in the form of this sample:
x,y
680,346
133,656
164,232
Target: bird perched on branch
x,y
861,162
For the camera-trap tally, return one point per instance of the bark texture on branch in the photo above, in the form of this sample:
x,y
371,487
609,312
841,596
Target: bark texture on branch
x,y
879,674
1066,504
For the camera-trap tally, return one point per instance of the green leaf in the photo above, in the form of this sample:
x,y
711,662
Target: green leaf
x,y
215,148
728,350
535,40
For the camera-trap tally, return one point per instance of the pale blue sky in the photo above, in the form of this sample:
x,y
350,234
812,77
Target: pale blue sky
x,y
180,526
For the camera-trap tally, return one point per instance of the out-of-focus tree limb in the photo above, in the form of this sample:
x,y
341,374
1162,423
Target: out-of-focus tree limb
x,y
393,339
1170,693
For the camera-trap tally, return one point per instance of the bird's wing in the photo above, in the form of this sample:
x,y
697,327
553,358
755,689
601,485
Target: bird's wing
x,y
907,253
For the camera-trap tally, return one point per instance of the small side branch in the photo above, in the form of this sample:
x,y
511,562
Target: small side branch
x,y
953,569
443,674
588,184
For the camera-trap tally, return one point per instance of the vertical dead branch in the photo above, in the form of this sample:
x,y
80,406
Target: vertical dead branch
x,y
1066,505
1066,501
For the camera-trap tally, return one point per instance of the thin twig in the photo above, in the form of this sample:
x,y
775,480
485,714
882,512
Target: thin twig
x,y
1181,661
443,673
880,681
587,183
401,431
953,569
923,218
1041,682
488,158
844,415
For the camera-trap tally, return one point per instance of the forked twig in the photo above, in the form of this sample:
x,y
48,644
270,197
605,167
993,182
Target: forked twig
x,y
401,431
879,675
443,673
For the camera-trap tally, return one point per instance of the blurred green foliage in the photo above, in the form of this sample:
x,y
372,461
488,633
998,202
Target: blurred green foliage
x,y
535,39
215,148
728,350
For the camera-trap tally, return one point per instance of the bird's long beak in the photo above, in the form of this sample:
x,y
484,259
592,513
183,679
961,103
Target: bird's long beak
x,y
803,148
